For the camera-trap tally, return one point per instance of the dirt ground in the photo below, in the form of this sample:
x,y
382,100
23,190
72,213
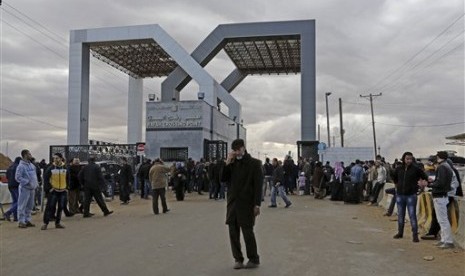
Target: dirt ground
x,y
312,237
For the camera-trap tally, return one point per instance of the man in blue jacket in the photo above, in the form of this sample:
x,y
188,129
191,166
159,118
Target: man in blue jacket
x,y
26,175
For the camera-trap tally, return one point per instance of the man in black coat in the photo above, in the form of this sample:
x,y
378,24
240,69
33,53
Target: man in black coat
x,y
91,179
125,180
244,177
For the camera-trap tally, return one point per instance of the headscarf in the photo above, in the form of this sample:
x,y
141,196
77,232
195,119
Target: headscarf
x,y
338,171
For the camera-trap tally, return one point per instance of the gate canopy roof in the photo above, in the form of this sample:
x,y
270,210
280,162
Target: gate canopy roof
x,y
144,58
137,58
265,55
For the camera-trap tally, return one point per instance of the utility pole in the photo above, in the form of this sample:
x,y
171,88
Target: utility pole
x,y
327,118
372,116
340,122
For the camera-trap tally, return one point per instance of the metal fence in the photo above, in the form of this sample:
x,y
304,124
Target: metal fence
x,y
174,154
108,152
215,150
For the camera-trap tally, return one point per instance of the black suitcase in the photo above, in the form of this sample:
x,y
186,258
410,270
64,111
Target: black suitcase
x,y
336,191
351,192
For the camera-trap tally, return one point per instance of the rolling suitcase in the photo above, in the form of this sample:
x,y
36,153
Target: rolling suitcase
x,y
351,192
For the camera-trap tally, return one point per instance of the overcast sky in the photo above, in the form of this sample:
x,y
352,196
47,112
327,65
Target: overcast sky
x,y
409,50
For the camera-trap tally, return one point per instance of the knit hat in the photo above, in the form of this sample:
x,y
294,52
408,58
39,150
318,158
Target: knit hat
x,y
442,155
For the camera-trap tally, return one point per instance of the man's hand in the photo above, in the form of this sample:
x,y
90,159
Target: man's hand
x,y
256,210
422,183
230,158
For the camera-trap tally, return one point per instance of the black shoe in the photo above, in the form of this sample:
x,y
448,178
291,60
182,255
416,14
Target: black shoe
x,y
30,224
59,226
288,205
108,213
166,211
398,236
415,238
272,206
5,217
251,265
44,227
238,265
429,237
88,215
69,215
22,225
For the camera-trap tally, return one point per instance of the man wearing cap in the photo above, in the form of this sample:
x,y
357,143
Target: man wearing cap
x,y
441,187
157,177
244,177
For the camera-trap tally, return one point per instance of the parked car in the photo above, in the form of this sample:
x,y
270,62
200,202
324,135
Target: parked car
x,y
3,178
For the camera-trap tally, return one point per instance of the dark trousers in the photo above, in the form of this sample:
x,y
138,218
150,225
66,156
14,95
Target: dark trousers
x,y
142,187
14,205
159,193
391,191
73,198
250,243
214,190
90,192
124,191
55,198
375,192
179,189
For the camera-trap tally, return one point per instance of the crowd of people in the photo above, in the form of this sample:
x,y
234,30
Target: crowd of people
x,y
70,187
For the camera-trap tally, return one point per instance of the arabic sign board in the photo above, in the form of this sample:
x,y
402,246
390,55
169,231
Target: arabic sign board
x,y
175,115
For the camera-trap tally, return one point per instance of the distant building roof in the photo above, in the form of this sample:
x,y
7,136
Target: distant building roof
x,y
459,139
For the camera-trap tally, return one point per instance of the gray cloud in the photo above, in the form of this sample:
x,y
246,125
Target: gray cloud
x,y
358,44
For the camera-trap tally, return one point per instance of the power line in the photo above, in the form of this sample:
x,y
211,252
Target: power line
x,y
36,22
35,40
32,26
32,119
419,52
402,76
46,123
61,44
440,125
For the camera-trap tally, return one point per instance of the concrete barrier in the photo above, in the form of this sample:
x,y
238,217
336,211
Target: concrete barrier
x,y
459,235
424,214
384,199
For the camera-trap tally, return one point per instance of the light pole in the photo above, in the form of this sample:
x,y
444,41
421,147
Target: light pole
x,y
327,118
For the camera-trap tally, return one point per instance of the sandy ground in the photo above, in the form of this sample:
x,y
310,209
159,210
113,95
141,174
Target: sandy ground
x,y
311,238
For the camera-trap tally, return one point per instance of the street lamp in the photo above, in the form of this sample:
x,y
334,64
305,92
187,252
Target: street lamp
x,y
327,118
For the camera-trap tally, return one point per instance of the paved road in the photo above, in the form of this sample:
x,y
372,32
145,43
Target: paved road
x,y
310,238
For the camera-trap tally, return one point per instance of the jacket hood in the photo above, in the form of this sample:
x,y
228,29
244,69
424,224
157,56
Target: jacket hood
x,y
17,159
